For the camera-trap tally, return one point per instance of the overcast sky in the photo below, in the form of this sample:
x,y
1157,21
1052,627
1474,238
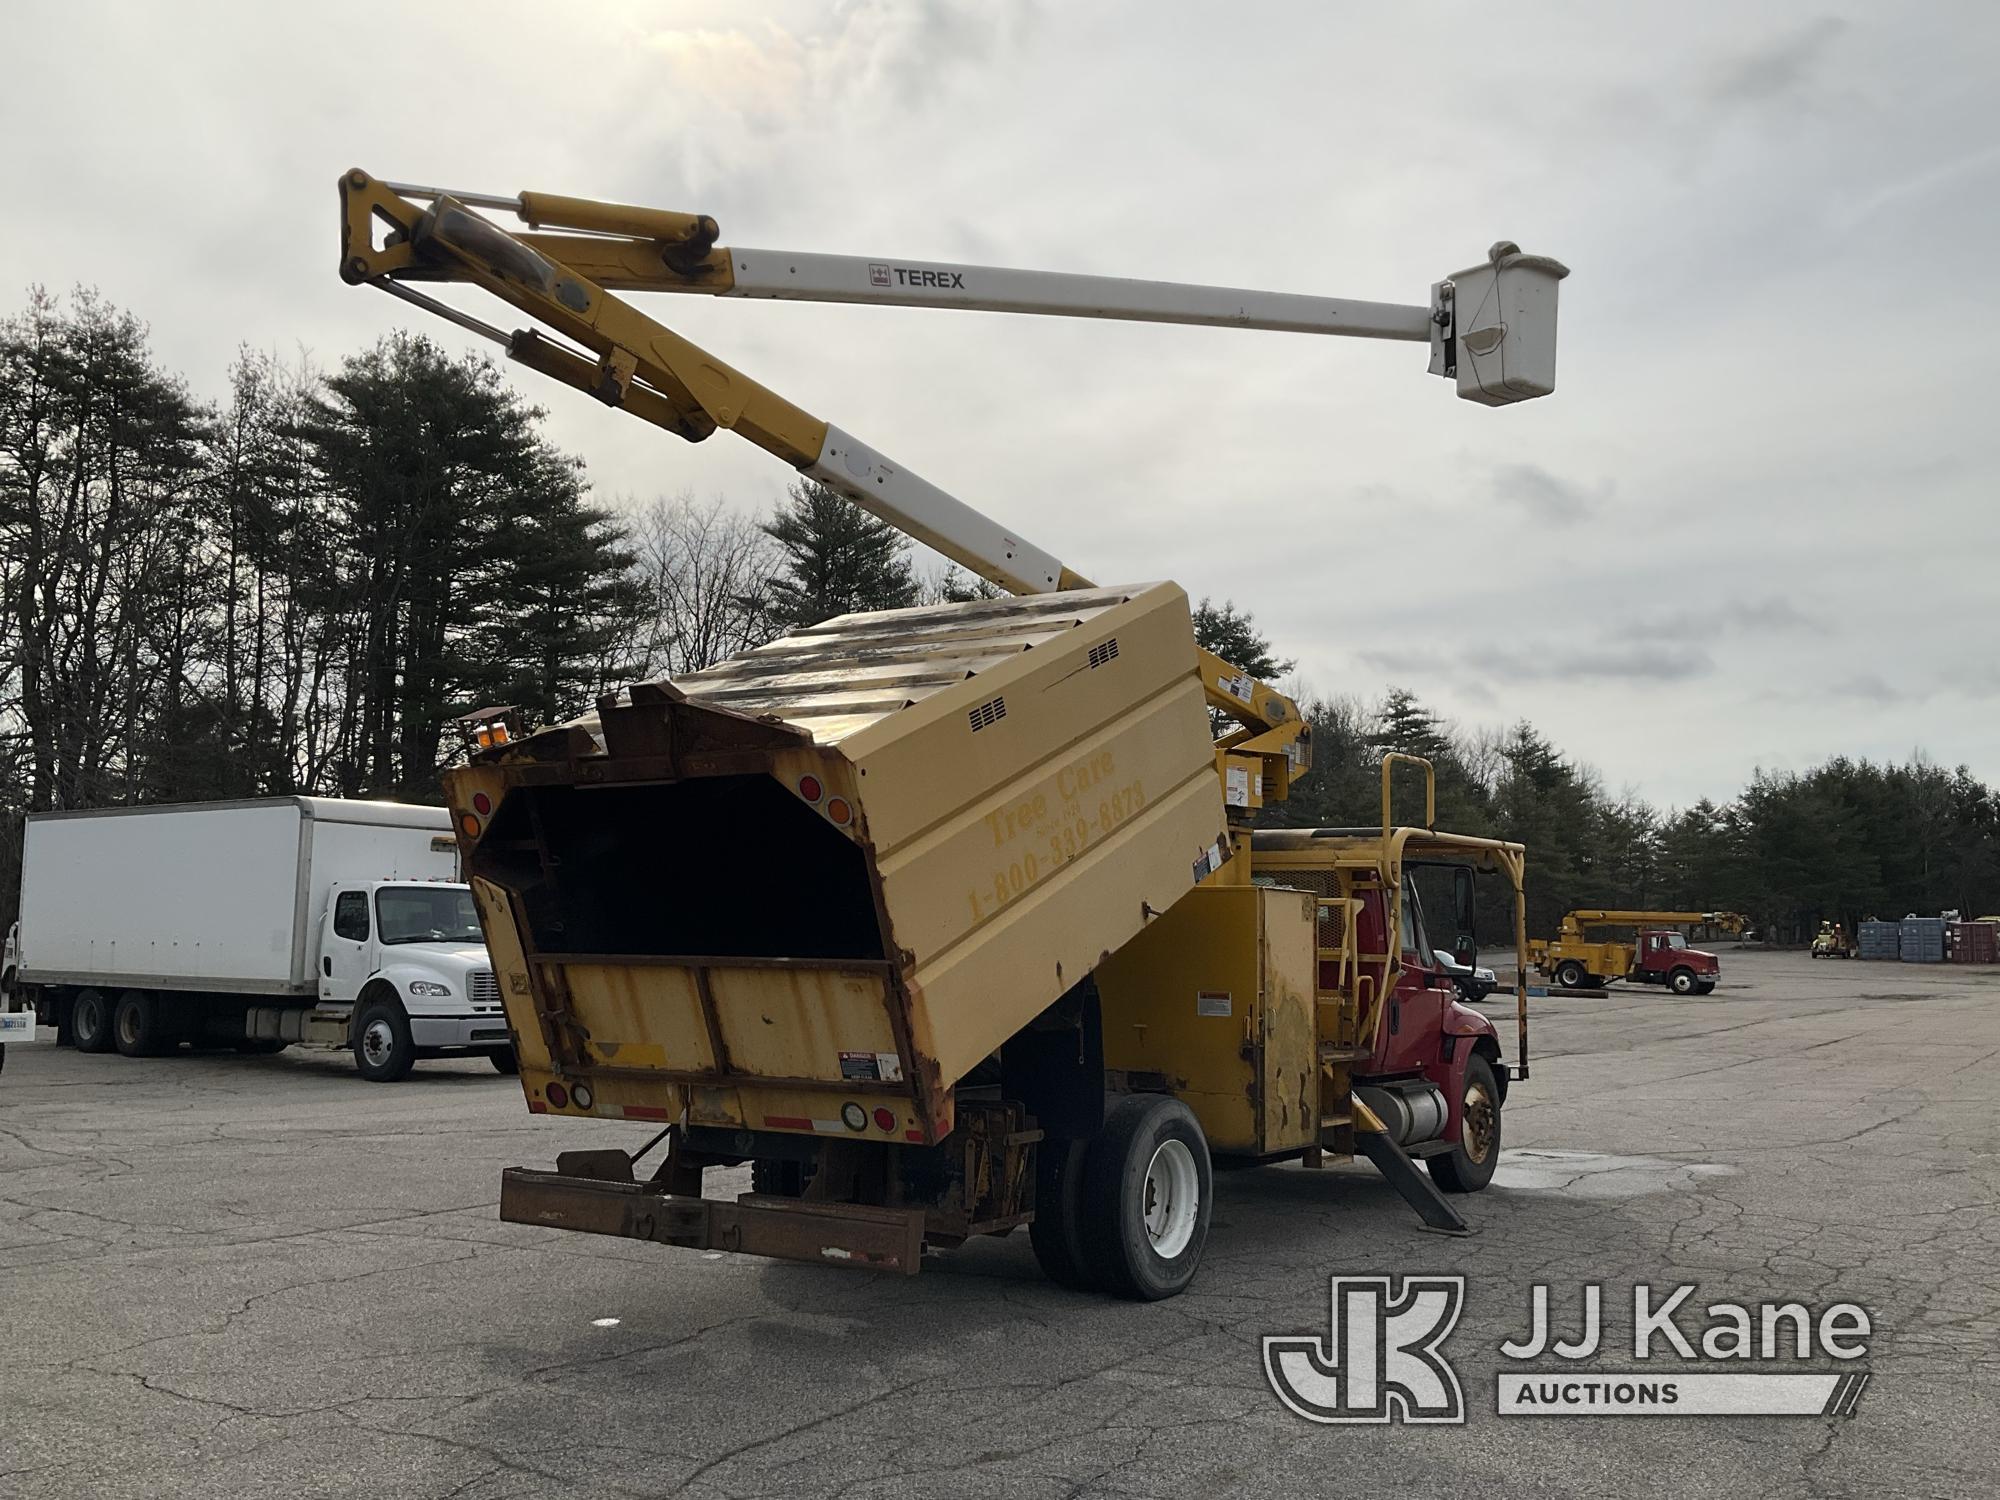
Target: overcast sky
x,y
1756,524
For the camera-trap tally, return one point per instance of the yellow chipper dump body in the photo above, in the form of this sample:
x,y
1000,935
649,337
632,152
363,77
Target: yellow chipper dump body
x,y
807,891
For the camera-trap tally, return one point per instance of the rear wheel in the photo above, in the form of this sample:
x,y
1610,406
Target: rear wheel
x,y
1057,1230
135,1024
1468,1166
90,1021
383,1051
1147,1191
1571,975
1682,981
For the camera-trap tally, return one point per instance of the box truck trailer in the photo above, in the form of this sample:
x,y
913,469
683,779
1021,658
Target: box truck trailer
x,y
257,924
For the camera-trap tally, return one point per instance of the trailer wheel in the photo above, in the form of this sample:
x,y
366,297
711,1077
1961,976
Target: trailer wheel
x,y
383,1051
1468,1166
90,1021
1682,981
135,1024
504,1060
1571,975
1147,1191
1056,1232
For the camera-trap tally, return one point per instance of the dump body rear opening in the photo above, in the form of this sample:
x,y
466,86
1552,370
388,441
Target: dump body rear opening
x,y
724,866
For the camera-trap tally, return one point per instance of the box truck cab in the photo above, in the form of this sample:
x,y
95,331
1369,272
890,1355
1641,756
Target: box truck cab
x,y
406,961
258,924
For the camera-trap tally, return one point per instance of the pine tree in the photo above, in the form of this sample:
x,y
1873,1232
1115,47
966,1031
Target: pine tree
x,y
837,560
1232,634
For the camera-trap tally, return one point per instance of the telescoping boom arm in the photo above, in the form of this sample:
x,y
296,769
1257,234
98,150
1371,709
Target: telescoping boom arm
x,y
1728,921
1491,328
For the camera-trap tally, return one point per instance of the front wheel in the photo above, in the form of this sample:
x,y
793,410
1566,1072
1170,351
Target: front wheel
x,y
1706,987
90,1021
504,1061
1147,1191
1468,1166
1682,981
383,1051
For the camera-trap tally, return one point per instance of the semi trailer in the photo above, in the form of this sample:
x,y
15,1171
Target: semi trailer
x,y
257,924
951,920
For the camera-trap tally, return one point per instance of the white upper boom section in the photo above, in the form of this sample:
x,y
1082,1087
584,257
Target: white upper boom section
x,y
791,277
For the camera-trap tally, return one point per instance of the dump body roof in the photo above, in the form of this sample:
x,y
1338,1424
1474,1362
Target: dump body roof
x,y
839,677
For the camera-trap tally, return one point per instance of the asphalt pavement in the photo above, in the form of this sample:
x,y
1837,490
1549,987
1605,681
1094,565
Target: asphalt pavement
x,y
226,1276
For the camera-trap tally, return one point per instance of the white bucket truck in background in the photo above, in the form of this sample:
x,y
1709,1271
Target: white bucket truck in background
x,y
259,924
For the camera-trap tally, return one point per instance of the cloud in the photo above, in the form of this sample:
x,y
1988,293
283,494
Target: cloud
x,y
1544,496
1772,616
1644,663
1774,69
1551,663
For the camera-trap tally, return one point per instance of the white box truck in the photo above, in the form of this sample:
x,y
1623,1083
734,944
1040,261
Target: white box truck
x,y
257,924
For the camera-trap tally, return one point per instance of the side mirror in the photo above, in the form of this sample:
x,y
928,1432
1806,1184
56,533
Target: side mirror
x,y
1465,922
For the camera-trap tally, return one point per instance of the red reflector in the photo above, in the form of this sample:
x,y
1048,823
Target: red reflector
x,y
558,1095
839,811
810,789
536,1107
914,1135
647,1112
481,803
885,1119
787,1122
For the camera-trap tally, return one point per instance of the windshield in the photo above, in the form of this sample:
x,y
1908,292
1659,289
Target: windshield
x,y
426,914
1674,940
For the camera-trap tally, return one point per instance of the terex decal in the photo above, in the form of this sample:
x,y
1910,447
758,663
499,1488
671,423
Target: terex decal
x,y
881,275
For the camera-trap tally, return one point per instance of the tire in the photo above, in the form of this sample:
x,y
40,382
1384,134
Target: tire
x,y
778,1179
504,1061
383,1051
1468,1166
1682,982
1057,1230
1706,987
135,1025
1148,1190
1571,975
90,1021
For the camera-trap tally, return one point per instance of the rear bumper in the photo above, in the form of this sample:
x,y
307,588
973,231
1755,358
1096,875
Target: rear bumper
x,y
459,1031
838,1234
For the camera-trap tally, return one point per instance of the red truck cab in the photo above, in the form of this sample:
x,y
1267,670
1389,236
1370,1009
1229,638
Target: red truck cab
x,y
1665,958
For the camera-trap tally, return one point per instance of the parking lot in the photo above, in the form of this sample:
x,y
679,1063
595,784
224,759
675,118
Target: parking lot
x,y
236,1276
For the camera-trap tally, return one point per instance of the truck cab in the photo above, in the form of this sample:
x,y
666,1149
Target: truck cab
x,y
1665,958
406,961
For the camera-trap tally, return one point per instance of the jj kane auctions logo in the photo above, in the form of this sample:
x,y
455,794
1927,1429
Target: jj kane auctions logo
x,y
1383,1358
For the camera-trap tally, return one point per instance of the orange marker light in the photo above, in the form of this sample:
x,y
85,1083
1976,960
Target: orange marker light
x,y
839,811
469,826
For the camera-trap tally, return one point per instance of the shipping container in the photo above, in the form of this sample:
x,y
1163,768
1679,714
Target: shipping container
x,y
1922,940
1881,940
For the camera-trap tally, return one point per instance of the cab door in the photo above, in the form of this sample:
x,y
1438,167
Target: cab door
x,y
1417,1004
346,949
